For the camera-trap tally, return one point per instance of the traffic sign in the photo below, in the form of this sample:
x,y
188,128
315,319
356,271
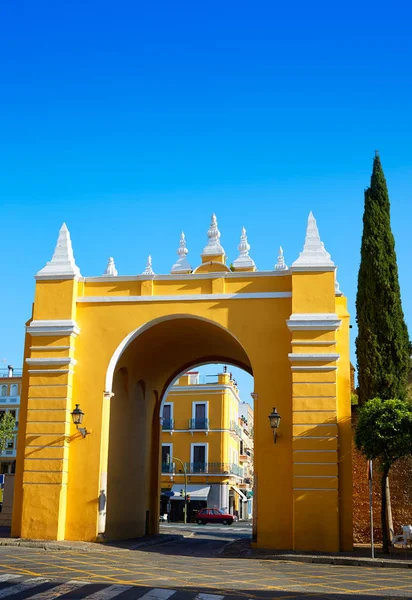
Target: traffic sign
x,y
169,493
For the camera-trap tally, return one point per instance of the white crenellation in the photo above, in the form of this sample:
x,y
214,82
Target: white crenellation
x,y
281,265
111,268
244,261
148,270
213,246
314,253
182,264
62,262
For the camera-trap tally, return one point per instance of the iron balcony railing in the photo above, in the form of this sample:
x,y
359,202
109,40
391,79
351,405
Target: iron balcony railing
x,y
215,468
168,468
234,427
198,423
168,424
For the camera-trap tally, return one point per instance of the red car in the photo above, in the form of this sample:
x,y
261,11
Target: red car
x,y
213,515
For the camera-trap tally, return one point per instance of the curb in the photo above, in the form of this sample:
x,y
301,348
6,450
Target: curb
x,y
85,546
346,561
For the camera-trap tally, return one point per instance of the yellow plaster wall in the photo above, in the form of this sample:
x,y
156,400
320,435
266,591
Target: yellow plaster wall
x,y
123,444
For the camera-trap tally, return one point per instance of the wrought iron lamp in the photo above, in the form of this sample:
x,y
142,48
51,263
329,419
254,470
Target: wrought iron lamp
x,y
77,416
274,420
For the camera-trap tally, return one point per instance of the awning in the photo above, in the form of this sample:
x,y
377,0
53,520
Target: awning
x,y
196,492
241,494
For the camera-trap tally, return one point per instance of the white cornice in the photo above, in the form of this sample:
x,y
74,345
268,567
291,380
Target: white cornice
x,y
314,368
313,343
188,276
56,277
313,356
51,361
53,327
314,321
58,371
202,388
185,297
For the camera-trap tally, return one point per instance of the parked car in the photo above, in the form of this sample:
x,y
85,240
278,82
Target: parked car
x,y
213,515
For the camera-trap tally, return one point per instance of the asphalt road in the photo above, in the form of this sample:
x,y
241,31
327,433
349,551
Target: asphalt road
x,y
190,568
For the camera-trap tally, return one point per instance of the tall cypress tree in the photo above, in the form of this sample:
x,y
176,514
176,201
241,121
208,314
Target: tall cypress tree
x,y
382,346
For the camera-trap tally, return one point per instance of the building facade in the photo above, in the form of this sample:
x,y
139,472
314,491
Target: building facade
x,y
113,344
10,389
202,435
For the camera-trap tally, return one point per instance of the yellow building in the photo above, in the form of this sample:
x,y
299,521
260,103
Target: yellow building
x,y
10,388
202,436
114,345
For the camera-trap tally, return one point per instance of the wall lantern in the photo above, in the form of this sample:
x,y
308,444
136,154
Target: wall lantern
x,y
274,420
77,416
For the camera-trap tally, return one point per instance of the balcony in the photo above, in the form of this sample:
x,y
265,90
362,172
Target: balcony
x,y
168,424
214,468
199,424
235,429
168,468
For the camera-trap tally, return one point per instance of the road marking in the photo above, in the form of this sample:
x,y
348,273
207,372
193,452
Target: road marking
x,y
22,587
58,590
8,576
208,597
110,592
158,594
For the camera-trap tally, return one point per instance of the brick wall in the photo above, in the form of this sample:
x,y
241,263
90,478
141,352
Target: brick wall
x,y
400,480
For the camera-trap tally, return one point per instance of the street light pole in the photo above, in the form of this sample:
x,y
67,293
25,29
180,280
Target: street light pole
x,y
185,476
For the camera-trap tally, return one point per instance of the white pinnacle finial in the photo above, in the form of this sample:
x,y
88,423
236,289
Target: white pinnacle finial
x,y
111,268
148,270
62,262
314,254
213,247
281,265
182,264
338,291
244,261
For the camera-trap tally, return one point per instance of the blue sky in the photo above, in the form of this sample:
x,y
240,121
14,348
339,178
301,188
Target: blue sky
x,y
132,121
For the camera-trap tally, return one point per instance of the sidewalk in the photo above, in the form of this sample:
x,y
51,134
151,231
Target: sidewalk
x,y
360,557
109,546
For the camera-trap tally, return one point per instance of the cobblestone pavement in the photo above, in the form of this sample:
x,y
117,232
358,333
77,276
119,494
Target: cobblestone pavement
x,y
186,569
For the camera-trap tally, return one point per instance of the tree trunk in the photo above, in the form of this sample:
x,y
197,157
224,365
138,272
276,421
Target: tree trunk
x,y
384,520
391,531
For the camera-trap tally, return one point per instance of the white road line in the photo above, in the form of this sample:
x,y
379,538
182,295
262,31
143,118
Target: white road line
x,y
157,594
8,576
58,590
110,592
208,597
22,587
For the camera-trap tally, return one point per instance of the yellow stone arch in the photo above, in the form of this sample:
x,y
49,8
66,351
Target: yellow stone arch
x,y
114,344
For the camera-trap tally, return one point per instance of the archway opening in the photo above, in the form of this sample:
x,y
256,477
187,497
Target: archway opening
x,y
207,448
145,370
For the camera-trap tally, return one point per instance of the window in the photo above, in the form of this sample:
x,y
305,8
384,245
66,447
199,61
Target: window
x,y
199,416
14,390
167,415
198,455
3,391
167,458
13,414
10,444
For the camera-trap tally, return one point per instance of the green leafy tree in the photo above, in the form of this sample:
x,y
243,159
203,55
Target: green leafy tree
x,y
384,432
383,348
7,430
